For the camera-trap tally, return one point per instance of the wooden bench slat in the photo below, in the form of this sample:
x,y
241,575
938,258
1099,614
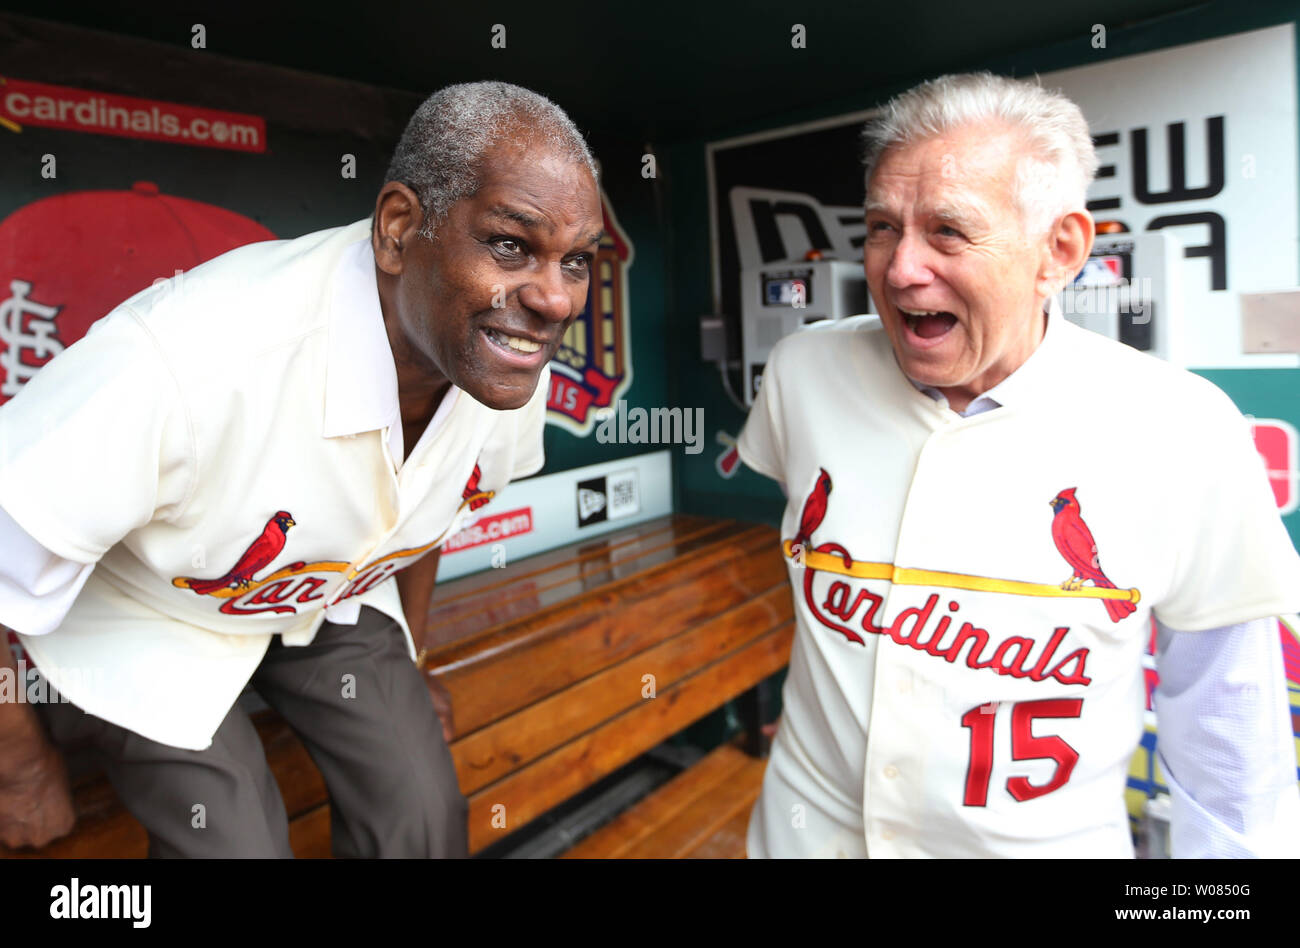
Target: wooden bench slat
x,y
528,596
703,817
657,531
536,788
583,637
479,592
645,816
309,834
728,842
491,752
495,620
469,586
494,631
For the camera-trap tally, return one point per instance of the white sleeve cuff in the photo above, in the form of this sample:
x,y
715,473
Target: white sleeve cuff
x,y
37,588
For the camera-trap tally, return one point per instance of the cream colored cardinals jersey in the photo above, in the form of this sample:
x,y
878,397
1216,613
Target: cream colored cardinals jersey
x,y
226,448
973,595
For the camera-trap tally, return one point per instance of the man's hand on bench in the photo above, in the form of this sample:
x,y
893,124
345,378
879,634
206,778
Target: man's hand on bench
x,y
35,799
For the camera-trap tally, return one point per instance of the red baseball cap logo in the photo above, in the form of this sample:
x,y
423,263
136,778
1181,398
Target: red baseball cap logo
x,y
67,260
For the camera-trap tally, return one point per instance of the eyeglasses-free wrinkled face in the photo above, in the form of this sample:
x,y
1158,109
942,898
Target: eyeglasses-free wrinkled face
x,y
949,265
488,300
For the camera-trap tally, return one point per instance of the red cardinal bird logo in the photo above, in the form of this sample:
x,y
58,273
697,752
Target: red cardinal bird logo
x,y
259,554
814,509
1074,541
472,495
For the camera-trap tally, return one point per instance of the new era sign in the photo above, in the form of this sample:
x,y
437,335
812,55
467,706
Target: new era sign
x,y
611,497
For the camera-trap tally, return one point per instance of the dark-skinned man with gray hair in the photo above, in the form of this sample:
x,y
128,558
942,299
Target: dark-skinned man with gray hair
x,y
263,456
990,509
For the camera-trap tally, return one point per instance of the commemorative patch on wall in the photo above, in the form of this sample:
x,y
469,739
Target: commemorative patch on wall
x,y
593,367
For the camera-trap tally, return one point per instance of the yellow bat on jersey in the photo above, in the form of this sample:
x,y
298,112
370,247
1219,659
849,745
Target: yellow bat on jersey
x,y
906,576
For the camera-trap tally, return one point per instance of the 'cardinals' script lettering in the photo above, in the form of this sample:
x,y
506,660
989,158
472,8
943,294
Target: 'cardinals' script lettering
x,y
1016,655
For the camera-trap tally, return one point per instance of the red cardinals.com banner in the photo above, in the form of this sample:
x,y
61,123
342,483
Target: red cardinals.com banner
x,y
500,526
80,110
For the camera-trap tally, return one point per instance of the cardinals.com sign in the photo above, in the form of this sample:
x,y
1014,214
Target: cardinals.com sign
x,y
42,105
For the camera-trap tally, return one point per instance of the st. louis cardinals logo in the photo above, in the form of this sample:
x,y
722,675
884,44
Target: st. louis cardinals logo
x,y
57,280
300,584
1074,540
260,553
852,609
28,337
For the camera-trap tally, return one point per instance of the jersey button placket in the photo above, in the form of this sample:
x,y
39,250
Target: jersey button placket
x,y
889,793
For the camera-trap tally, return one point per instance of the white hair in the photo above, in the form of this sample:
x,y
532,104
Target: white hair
x,y
1052,178
440,154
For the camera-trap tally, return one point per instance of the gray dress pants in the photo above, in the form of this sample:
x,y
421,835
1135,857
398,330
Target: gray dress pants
x,y
356,701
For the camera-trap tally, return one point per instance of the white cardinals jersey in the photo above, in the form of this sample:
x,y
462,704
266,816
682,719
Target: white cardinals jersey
x,y
226,448
973,594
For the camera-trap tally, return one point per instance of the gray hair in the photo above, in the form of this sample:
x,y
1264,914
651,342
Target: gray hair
x,y
440,155
1051,179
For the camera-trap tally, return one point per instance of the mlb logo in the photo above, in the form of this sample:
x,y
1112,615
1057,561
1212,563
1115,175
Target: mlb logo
x,y
1103,270
1276,442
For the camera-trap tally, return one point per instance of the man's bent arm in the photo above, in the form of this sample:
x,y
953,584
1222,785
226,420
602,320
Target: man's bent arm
x,y
415,586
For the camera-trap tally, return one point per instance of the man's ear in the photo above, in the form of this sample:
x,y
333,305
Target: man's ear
x,y
1068,244
397,222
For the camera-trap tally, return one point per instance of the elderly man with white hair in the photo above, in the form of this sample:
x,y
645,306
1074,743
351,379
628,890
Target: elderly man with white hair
x,y
991,512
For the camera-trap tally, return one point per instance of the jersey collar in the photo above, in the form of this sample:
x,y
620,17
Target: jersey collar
x,y
360,377
1032,379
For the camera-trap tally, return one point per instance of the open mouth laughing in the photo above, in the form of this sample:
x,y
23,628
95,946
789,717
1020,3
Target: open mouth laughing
x,y
926,327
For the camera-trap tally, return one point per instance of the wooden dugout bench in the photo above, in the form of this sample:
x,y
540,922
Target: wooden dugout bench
x,y
549,666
